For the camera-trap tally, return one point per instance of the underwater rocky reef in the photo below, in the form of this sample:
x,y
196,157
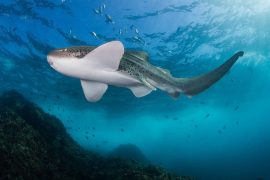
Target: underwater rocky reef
x,y
131,152
35,145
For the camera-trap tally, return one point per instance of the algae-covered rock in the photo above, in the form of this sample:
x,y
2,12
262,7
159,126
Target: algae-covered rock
x,y
129,151
35,145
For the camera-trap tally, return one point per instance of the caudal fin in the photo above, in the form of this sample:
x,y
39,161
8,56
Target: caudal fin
x,y
194,85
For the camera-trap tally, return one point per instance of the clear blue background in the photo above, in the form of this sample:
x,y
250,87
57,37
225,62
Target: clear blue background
x,y
222,133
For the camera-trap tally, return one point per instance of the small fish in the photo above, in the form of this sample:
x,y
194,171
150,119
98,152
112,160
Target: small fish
x,y
122,130
120,32
93,135
138,39
202,102
219,131
175,118
103,6
236,108
224,127
108,19
93,128
207,115
94,34
136,30
97,11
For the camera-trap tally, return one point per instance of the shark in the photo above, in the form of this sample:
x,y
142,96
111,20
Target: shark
x,y
111,64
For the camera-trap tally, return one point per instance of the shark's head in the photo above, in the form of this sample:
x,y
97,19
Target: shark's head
x,y
64,60
56,55
67,54
65,57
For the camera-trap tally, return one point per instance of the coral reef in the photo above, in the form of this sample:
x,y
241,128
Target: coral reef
x,y
35,145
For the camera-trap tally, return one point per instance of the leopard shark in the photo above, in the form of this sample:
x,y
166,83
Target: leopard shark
x,y
111,64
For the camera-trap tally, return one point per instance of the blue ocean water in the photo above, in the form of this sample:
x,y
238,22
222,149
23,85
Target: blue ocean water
x,y
222,133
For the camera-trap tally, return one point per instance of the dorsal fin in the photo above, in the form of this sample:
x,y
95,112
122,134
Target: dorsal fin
x,y
106,56
139,55
143,55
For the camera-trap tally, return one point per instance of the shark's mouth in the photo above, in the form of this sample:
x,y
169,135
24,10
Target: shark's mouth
x,y
50,63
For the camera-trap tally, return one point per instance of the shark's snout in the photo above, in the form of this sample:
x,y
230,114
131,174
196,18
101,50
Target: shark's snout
x,y
50,60
52,56
57,54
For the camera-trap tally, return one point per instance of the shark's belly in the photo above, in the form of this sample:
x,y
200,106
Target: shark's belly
x,y
122,80
114,78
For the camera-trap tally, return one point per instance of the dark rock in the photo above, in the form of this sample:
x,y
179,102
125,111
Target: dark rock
x,y
35,145
131,152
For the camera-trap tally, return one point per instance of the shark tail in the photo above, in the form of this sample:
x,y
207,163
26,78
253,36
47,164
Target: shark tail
x,y
194,85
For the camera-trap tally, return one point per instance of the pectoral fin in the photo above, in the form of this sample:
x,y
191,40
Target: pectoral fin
x,y
106,56
93,91
140,91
